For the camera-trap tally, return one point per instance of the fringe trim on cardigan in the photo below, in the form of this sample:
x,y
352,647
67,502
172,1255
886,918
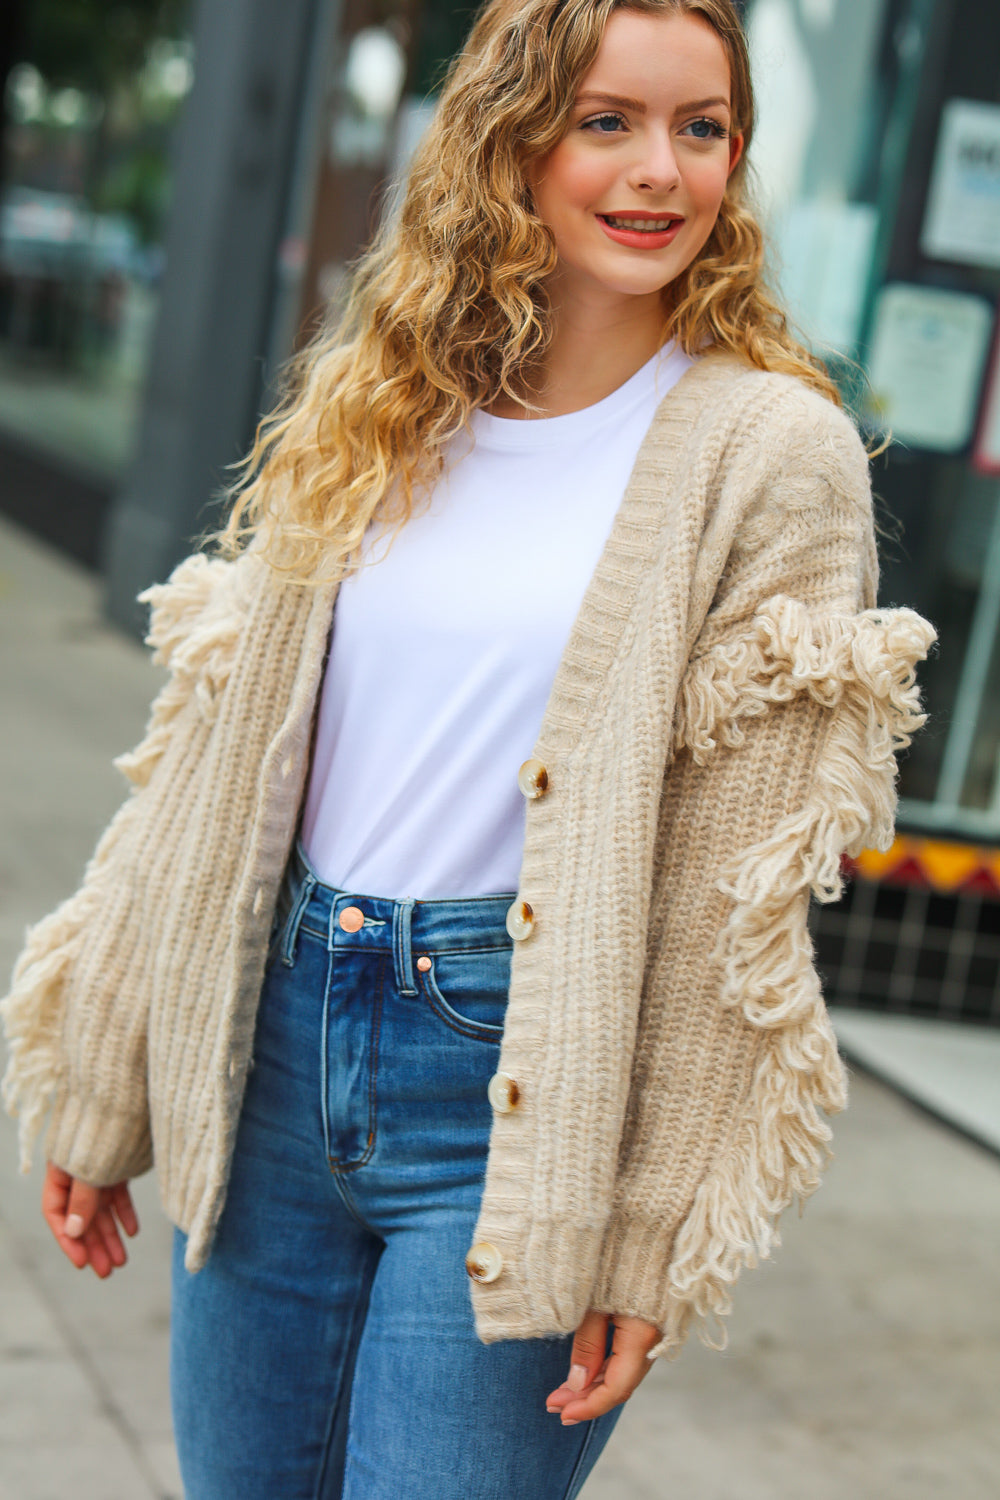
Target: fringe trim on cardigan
x,y
862,666
790,649
193,629
33,1013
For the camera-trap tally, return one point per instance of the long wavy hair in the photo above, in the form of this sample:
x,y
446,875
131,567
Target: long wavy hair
x,y
448,308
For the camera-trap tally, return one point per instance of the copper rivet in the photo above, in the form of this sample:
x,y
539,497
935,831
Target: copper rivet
x,y
352,919
423,964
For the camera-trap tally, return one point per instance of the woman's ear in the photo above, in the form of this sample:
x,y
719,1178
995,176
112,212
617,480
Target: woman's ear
x,y
735,149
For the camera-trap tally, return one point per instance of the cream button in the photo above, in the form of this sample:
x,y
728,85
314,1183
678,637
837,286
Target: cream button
x,y
520,921
503,1093
533,779
352,919
484,1262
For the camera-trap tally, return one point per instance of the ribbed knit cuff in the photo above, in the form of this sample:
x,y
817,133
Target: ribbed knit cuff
x,y
93,1143
633,1277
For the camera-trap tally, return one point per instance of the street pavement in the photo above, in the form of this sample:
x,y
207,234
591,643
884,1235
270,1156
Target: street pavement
x,y
863,1361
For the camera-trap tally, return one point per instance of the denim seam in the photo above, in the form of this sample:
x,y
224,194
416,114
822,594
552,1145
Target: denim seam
x,y
294,922
346,1392
402,949
341,1168
573,1488
313,931
343,1190
324,1069
441,952
337,1167
476,1031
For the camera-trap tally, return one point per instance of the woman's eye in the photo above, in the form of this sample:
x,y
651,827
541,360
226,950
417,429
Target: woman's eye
x,y
604,124
706,130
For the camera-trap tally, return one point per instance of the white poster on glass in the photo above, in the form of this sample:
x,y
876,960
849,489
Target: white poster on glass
x,y
826,252
927,356
962,221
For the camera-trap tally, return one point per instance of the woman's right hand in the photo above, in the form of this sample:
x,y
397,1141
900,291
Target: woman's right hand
x,y
85,1220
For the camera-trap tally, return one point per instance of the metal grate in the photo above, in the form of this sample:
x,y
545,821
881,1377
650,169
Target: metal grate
x,y
907,950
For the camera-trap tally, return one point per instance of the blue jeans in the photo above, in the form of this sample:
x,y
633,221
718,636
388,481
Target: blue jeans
x,y
327,1350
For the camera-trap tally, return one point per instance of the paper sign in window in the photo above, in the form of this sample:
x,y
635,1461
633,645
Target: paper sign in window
x,y
962,221
927,355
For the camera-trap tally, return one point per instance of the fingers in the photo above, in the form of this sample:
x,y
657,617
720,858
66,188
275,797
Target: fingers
x,y
84,1201
104,1243
83,1220
121,1202
55,1200
586,1360
100,1237
615,1379
590,1347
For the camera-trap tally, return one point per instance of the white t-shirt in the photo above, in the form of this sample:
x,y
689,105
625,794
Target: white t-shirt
x,y
444,650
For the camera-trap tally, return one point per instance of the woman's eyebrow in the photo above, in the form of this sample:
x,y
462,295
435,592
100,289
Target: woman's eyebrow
x,y
693,104
618,101
621,101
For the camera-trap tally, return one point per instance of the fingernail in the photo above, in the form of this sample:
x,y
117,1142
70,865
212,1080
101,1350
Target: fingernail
x,y
74,1226
571,1422
577,1377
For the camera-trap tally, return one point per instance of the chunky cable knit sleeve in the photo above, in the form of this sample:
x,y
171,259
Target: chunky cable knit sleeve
x,y
76,1043
795,701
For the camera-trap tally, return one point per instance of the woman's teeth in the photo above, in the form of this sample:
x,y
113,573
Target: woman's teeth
x,y
617,223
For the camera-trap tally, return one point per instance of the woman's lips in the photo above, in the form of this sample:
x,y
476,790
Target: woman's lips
x,y
640,231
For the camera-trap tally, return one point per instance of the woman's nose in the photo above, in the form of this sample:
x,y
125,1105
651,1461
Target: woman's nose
x,y
655,165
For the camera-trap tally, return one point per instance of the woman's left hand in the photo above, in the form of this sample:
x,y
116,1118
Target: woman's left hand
x,y
596,1383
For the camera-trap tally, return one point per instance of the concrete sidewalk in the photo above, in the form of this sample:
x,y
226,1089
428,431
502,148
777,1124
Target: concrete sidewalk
x,y
863,1364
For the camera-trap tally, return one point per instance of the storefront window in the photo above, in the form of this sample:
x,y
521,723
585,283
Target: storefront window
x,y
878,160
90,108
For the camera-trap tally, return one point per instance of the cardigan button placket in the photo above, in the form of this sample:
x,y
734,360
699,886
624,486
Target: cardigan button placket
x,y
484,1262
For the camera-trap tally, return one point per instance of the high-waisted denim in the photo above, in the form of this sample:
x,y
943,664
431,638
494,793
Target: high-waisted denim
x,y
327,1349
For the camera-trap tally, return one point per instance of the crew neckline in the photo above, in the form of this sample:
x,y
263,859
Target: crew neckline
x,y
540,432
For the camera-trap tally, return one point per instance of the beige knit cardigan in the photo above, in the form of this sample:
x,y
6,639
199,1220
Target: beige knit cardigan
x,y
722,727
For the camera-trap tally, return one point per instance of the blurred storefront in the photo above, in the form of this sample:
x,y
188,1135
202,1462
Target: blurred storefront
x,y
92,91
878,166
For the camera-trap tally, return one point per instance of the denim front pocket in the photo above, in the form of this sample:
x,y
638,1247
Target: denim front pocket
x,y
467,990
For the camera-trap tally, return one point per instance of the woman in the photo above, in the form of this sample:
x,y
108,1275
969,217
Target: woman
x,y
590,510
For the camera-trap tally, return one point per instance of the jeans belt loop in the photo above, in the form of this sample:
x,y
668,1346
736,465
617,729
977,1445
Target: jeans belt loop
x,y
402,949
299,905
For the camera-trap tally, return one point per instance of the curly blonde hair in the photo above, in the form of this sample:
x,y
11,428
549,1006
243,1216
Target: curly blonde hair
x,y
448,308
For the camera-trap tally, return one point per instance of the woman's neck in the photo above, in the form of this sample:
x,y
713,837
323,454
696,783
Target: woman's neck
x,y
594,349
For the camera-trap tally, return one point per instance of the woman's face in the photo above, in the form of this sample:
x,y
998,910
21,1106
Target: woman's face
x,y
633,189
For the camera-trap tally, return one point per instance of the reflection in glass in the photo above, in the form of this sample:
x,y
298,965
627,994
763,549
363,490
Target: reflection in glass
x,y
82,216
840,155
